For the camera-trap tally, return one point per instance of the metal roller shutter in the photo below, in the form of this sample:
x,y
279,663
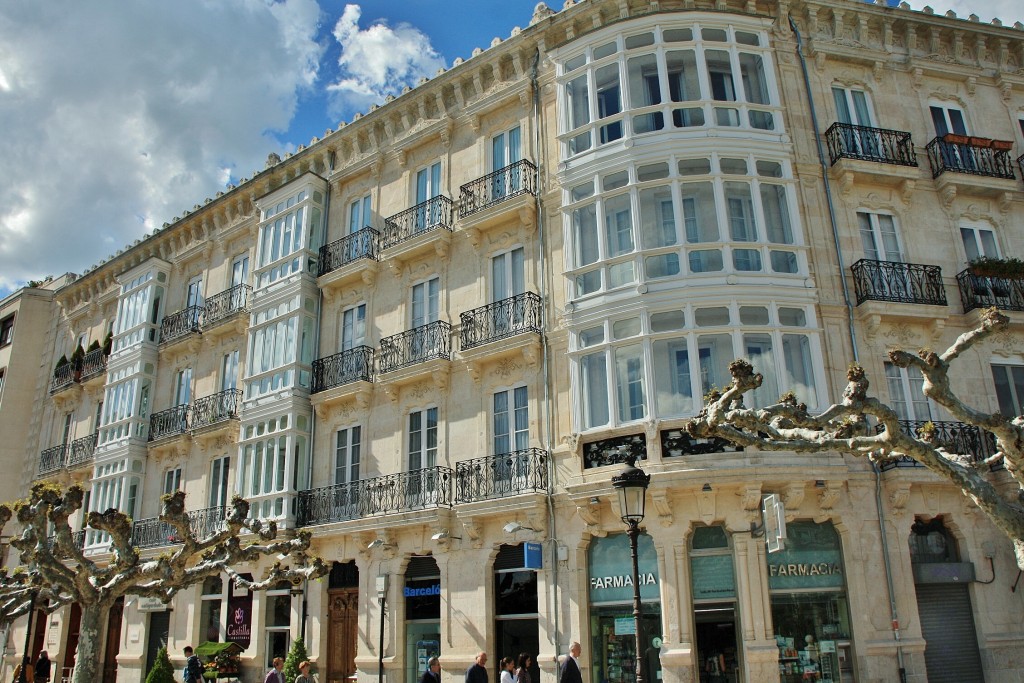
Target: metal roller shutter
x,y
951,654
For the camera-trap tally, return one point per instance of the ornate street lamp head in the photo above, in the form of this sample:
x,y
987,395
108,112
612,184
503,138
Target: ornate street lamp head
x,y
631,486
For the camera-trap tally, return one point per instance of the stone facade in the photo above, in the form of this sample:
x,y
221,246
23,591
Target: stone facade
x,y
433,336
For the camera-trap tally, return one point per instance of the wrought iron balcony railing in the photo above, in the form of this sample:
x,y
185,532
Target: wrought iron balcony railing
x,y
77,538
221,307
362,244
180,324
64,376
209,410
81,451
433,214
846,141
505,318
513,180
981,291
944,154
1020,163
907,283
955,437
426,342
94,363
52,459
151,532
427,488
169,422
498,476
354,365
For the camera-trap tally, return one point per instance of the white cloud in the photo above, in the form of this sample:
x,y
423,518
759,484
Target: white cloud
x,y
378,61
117,116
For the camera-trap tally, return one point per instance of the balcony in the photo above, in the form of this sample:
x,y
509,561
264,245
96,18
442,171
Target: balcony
x,y
508,194
394,493
52,459
94,364
425,227
220,308
846,141
350,258
180,325
955,437
210,411
978,166
81,451
500,476
505,318
169,423
905,283
980,291
152,533
64,377
418,345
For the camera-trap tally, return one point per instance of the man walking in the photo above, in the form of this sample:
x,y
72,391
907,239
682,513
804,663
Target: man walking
x,y
571,666
477,673
193,672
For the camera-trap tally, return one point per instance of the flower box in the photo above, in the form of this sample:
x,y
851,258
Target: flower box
x,y
955,139
979,142
1002,145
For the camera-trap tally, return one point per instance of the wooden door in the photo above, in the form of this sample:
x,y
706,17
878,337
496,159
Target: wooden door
x,y
342,633
74,628
113,645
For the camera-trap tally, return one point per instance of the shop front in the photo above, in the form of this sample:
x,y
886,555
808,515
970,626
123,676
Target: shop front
x,y
810,611
713,581
515,604
612,655
422,595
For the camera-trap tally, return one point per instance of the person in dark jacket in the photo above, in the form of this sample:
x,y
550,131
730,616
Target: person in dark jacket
x,y
477,673
43,667
571,667
433,672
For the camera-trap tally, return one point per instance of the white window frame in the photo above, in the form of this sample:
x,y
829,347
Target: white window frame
x,y
207,598
360,214
1016,397
220,482
518,439
352,318
240,270
852,111
905,394
269,595
172,480
348,441
431,302
976,230
183,387
878,237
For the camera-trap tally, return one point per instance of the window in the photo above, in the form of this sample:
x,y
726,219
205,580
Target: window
x,y
183,387
359,215
852,106
511,421
353,327
878,237
291,224
97,418
1009,381
507,274
7,330
347,454
947,119
422,456
505,149
211,610
2,372
219,481
240,270
428,186
906,393
194,292
229,371
978,242
69,425
278,617
425,297
172,480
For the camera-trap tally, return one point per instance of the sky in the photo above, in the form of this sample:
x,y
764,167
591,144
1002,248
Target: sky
x,y
115,117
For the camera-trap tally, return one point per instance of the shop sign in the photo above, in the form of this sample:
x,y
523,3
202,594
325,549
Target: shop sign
x,y
712,577
625,626
239,614
611,569
811,559
532,556
151,605
411,592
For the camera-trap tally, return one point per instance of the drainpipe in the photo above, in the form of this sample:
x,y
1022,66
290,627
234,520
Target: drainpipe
x,y
853,345
545,358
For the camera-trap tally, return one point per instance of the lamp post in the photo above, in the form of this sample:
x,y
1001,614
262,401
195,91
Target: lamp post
x,y
631,486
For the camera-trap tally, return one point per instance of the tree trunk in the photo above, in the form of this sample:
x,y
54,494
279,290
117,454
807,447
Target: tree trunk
x,y
89,643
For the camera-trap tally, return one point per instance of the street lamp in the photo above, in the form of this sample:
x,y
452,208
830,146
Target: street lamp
x,y
631,486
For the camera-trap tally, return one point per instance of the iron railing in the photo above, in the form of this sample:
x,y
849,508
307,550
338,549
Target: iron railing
x,y
52,459
846,141
354,365
426,342
1020,163
505,318
181,324
94,363
64,376
151,532
677,442
964,157
82,450
362,244
169,422
982,291
907,283
498,476
77,539
426,488
513,180
221,307
433,214
209,410
955,437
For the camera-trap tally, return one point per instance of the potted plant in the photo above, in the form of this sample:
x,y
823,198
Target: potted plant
x,y
108,343
979,142
1004,268
1002,145
955,139
76,361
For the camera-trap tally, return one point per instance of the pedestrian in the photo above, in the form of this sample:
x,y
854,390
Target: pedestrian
x,y
433,672
43,667
523,668
571,666
276,673
193,672
303,676
477,673
507,665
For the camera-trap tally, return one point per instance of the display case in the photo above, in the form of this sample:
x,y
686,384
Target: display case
x,y
220,660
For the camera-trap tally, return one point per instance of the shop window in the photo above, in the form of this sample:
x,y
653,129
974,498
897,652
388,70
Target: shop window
x,y
713,581
422,595
211,611
277,618
516,604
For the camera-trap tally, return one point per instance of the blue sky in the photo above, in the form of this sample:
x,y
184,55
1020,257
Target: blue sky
x,y
117,117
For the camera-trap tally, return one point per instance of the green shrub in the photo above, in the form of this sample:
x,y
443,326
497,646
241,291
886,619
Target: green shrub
x,y
162,671
296,655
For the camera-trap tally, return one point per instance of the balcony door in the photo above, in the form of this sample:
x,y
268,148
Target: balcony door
x,y
424,308
511,435
229,371
854,109
948,120
428,186
219,482
422,457
194,294
353,327
347,456
507,281
505,151
183,387
905,394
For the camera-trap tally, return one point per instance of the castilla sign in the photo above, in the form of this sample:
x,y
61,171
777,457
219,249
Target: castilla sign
x,y
240,615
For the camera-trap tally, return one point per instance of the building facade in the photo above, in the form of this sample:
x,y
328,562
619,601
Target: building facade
x,y
433,336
